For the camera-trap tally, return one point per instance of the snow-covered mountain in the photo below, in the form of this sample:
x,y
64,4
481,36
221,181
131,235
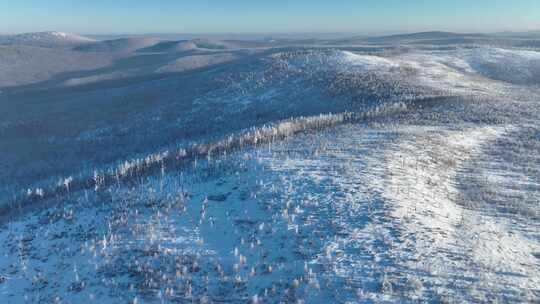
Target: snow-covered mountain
x,y
198,44
124,45
45,39
226,171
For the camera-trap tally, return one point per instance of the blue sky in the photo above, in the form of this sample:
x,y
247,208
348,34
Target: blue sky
x,y
266,16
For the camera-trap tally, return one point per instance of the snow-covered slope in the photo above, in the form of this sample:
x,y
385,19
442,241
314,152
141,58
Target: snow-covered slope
x,y
24,65
195,61
171,46
292,174
514,66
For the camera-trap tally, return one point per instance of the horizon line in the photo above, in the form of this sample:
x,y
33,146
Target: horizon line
x,y
322,32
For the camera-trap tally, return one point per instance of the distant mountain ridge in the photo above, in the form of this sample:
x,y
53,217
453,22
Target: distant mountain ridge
x,y
156,43
432,35
45,39
122,45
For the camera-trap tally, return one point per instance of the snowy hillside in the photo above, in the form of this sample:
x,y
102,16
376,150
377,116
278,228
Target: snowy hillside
x,y
139,170
25,65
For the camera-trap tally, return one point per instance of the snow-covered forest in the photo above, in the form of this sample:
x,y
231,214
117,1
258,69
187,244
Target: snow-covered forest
x,y
395,169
